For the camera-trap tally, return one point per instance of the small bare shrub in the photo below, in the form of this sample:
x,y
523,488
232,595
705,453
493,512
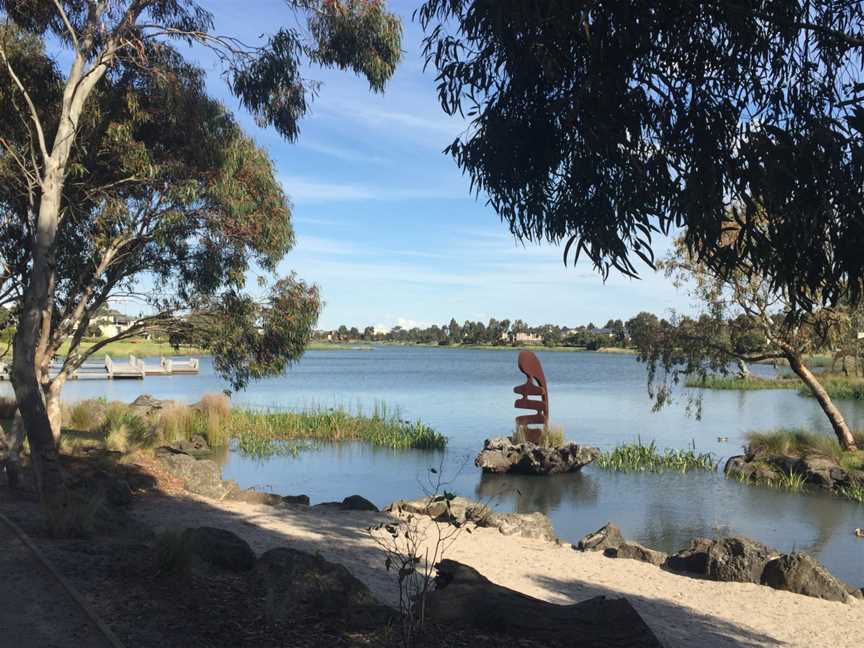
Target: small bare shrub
x,y
552,436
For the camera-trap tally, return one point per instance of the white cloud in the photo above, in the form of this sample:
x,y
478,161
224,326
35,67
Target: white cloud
x,y
407,323
342,153
302,189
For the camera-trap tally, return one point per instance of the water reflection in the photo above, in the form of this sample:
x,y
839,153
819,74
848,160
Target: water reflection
x,y
528,493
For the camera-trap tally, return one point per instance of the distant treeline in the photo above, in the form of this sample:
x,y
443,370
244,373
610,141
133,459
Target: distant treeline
x,y
493,333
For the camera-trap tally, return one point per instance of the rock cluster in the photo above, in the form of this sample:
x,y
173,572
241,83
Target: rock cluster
x,y
501,455
732,559
817,471
461,510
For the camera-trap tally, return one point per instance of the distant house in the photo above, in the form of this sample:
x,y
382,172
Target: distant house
x,y
528,338
112,323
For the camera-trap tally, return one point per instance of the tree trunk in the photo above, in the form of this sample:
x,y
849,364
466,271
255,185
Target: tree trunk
x,y
55,412
10,453
743,370
841,429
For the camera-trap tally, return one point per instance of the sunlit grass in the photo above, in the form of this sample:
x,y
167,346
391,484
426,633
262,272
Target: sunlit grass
x,y
854,492
638,457
802,443
552,436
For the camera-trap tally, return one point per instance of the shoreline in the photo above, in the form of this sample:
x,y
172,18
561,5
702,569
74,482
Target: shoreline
x,y
681,610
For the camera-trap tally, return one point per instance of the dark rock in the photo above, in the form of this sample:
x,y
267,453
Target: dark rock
x,y
145,405
693,559
608,536
739,467
802,574
738,559
296,500
254,497
219,548
635,551
501,455
297,585
196,445
358,503
200,476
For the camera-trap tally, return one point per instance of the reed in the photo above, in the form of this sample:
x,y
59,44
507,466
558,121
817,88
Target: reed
x,y
854,492
552,436
637,457
840,387
790,481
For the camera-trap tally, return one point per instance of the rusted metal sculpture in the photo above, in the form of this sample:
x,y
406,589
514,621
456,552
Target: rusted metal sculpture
x,y
535,385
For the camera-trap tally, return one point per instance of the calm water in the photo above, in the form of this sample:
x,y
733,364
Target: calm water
x,y
599,399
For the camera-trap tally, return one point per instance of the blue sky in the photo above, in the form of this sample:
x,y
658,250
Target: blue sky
x,y
384,220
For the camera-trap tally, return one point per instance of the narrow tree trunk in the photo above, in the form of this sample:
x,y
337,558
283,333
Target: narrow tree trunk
x,y
743,370
841,429
55,412
26,370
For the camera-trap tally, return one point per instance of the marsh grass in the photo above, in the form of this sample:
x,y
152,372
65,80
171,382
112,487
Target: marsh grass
x,y
790,481
839,386
801,443
552,436
637,457
255,433
854,492
744,384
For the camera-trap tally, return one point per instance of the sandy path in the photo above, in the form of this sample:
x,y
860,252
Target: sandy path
x,y
682,611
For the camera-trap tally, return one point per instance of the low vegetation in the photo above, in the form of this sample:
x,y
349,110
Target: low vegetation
x,y
638,457
552,436
837,385
256,433
801,443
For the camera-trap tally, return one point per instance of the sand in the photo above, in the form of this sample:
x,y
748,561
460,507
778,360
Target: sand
x,y
682,611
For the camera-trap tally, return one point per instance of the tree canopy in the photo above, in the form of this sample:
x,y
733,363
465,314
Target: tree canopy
x,y
604,124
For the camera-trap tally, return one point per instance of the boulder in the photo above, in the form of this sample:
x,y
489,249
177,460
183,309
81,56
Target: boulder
x,y
296,585
146,405
296,500
219,548
501,455
739,467
693,559
606,537
200,476
254,497
738,559
196,445
803,574
537,526
635,551
358,503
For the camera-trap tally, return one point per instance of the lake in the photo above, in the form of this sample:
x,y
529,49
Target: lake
x,y
600,399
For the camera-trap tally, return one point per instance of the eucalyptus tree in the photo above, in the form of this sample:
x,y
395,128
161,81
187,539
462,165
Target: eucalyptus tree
x,y
85,224
604,124
741,319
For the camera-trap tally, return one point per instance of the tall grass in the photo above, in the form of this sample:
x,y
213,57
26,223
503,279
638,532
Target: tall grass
x,y
801,443
637,457
840,387
854,491
552,436
744,384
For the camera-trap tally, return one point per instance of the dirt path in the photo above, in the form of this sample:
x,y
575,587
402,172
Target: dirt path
x,y
35,610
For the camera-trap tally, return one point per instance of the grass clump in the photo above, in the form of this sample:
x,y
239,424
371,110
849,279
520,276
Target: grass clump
x,y
801,443
637,457
853,491
840,387
552,436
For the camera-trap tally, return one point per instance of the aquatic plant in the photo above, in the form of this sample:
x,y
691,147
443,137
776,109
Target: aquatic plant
x,y
637,457
853,491
790,481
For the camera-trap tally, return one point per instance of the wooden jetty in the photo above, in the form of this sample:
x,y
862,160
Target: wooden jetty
x,y
134,369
